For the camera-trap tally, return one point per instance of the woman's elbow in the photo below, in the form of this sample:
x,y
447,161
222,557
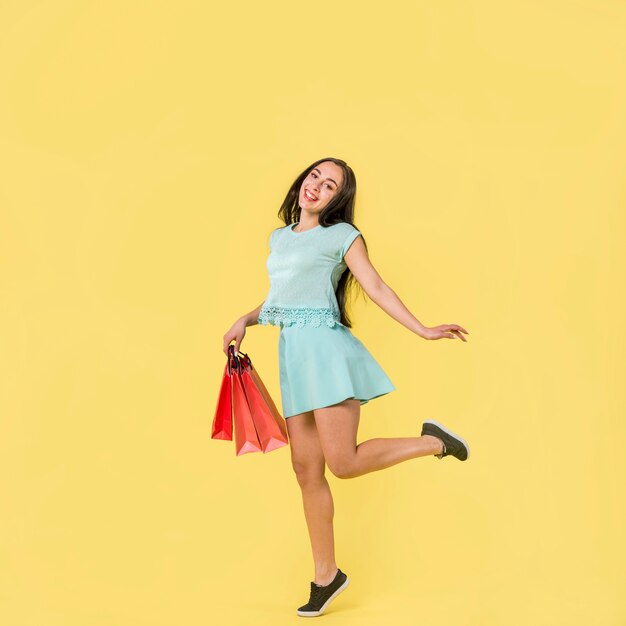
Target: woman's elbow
x,y
377,290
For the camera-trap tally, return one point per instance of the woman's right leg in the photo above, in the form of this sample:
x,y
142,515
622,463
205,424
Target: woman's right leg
x,y
309,465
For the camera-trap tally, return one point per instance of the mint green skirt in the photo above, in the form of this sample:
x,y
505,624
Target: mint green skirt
x,y
323,365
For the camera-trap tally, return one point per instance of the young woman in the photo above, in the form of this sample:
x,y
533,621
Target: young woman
x,y
326,373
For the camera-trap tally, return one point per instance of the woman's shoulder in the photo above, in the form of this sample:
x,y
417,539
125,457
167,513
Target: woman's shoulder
x,y
340,236
344,230
274,234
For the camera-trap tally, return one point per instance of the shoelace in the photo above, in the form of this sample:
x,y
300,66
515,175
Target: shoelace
x,y
316,592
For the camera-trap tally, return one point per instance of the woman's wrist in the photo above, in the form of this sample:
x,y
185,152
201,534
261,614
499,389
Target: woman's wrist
x,y
421,330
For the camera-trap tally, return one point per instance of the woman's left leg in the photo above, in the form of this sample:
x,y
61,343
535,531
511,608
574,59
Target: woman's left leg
x,y
337,427
308,463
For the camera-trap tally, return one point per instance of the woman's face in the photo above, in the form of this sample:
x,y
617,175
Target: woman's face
x,y
320,186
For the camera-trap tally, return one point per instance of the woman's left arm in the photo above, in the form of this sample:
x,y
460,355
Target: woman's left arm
x,y
357,260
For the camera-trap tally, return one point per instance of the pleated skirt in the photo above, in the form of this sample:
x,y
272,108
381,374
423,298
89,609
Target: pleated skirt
x,y
323,365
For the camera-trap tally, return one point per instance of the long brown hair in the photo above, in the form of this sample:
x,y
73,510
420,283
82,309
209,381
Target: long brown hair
x,y
339,209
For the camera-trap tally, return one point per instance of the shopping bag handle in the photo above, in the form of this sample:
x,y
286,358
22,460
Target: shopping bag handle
x,y
246,359
233,360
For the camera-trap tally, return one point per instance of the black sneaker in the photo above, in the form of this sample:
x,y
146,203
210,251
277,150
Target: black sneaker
x,y
321,596
453,444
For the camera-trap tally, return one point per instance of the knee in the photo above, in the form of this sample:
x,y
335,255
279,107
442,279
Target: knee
x,y
341,468
308,473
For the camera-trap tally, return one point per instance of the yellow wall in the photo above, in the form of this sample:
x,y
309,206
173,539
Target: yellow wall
x,y
145,149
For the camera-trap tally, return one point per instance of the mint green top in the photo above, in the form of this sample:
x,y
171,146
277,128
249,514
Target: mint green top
x,y
304,270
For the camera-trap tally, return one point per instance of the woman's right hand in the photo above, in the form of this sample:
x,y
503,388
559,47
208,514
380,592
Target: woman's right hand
x,y
236,332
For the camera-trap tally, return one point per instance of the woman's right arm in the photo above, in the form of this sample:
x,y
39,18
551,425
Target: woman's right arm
x,y
238,330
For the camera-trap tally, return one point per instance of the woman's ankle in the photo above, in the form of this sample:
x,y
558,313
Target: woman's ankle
x,y
441,446
325,575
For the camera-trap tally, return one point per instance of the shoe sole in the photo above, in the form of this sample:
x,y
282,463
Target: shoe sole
x,y
323,607
447,430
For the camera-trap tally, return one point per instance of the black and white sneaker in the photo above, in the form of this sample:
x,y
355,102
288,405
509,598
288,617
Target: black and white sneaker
x,y
453,445
321,596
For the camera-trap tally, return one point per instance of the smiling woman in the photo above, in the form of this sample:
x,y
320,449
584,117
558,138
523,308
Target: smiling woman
x,y
326,373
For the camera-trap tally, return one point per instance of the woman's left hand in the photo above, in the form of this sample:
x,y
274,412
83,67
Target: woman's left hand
x,y
451,331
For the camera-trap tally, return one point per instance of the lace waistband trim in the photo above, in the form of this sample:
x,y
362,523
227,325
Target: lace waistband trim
x,y
299,317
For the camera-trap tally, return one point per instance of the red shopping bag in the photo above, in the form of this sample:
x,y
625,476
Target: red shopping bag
x,y
223,420
269,424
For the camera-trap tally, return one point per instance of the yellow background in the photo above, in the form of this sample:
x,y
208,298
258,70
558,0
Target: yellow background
x,y
145,150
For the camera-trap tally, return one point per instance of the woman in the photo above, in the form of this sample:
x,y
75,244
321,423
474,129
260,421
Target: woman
x,y
326,373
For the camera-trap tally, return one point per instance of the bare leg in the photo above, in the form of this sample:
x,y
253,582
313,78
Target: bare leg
x,y
309,465
337,426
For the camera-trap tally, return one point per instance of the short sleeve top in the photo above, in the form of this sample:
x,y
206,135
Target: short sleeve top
x,y
304,270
